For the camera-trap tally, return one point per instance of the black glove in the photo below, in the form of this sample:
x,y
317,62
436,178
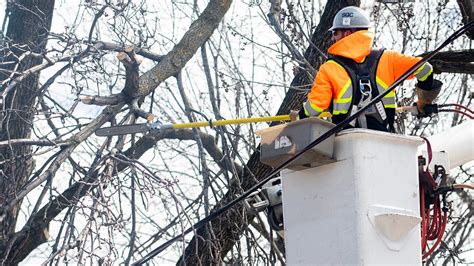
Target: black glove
x,y
427,84
427,91
428,110
301,114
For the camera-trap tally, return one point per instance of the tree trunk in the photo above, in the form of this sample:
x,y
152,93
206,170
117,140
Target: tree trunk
x,y
228,228
467,12
28,26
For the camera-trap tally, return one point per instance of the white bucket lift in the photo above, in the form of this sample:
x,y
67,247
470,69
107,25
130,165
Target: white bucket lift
x,y
361,209
355,199
457,144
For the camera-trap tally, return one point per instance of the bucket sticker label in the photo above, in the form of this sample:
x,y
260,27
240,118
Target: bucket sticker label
x,y
282,142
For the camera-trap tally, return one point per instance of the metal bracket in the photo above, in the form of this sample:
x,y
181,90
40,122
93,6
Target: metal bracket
x,y
256,202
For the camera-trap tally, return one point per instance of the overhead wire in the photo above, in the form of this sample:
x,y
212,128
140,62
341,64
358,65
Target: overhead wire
x,y
320,139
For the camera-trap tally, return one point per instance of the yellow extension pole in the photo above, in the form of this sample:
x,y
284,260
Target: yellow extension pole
x,y
232,121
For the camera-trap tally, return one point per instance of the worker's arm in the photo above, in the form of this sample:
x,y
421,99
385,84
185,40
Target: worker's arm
x,y
427,88
320,96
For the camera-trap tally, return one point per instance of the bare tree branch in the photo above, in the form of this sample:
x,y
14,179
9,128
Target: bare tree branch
x,y
453,62
29,142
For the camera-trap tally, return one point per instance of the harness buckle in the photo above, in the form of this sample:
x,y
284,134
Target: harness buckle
x,y
377,110
365,87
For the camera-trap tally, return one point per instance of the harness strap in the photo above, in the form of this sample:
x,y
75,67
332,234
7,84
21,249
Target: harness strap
x,y
364,86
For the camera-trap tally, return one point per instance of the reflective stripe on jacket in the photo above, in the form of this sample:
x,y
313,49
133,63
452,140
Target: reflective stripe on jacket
x,y
333,84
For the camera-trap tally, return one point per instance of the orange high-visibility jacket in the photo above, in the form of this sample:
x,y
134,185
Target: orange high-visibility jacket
x,y
333,84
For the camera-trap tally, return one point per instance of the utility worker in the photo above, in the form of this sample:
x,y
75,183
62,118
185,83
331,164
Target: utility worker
x,y
355,74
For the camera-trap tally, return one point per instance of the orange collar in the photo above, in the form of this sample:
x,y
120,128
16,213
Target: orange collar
x,y
355,46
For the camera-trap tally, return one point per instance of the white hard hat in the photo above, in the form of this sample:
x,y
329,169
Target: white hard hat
x,y
350,17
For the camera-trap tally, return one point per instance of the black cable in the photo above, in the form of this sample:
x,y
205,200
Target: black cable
x,y
323,137
471,116
457,106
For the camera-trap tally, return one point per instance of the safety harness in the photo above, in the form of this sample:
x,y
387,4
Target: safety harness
x,y
364,89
